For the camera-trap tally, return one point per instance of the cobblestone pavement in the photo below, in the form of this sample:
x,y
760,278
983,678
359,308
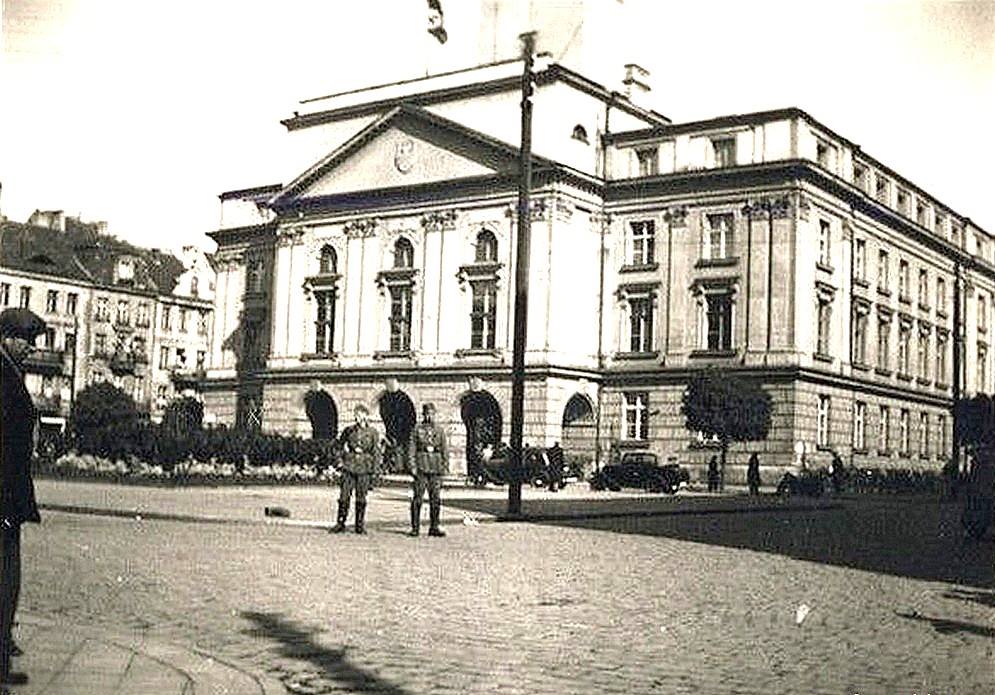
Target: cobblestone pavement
x,y
674,604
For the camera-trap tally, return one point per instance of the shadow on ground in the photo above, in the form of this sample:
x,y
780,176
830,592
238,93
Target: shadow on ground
x,y
950,627
331,665
913,536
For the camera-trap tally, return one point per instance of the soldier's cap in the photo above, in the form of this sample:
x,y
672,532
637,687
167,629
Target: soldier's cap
x,y
361,409
428,408
21,323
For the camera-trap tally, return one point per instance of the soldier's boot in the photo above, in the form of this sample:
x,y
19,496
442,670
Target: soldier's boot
x,y
360,517
415,519
343,514
433,520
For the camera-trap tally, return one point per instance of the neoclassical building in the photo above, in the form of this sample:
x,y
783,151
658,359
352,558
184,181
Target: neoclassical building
x,y
764,243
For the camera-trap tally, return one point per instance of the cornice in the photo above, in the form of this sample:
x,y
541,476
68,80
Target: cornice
x,y
236,235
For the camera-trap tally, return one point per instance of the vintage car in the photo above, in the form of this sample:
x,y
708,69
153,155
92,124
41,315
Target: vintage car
x,y
641,470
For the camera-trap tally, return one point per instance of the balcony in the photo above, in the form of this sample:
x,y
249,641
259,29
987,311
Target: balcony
x,y
45,361
122,363
188,376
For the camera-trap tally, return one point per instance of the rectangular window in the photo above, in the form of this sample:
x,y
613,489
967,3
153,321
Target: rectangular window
x,y
643,237
982,312
718,320
941,435
635,413
859,425
825,155
923,435
181,358
201,359
52,301
905,448
859,335
884,340
164,358
99,344
903,280
202,323
138,346
822,423
324,322
881,189
724,152
922,213
883,279
922,355
941,295
400,318
902,201
641,324
982,369
25,302
183,320
123,311
72,301
940,223
5,294
483,317
904,348
884,426
48,339
166,318
860,176
825,238
142,315
923,287
860,260
649,161
718,237
941,358
824,317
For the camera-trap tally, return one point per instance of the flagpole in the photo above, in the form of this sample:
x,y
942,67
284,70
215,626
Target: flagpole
x,y
521,280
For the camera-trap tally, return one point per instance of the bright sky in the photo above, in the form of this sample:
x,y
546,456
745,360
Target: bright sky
x,y
142,113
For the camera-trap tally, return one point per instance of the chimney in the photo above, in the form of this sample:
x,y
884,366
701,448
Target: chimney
x,y
636,84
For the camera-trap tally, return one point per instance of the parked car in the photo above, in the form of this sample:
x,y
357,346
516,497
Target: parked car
x,y
811,483
641,470
496,468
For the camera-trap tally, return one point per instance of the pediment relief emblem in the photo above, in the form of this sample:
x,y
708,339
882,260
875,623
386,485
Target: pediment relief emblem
x,y
404,155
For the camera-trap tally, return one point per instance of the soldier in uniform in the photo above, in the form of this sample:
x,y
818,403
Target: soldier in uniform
x,y
429,460
360,454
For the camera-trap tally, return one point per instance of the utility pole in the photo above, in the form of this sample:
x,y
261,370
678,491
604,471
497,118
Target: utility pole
x,y
521,279
957,360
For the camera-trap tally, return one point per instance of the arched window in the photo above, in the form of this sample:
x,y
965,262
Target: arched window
x,y
486,251
404,254
580,133
328,261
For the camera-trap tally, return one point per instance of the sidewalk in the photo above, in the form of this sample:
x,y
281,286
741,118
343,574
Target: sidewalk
x,y
313,505
69,660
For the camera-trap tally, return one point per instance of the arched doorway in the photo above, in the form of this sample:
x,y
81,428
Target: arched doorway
x,y
578,426
482,416
398,415
321,411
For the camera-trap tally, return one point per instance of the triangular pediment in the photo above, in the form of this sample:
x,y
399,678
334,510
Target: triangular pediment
x,y
407,147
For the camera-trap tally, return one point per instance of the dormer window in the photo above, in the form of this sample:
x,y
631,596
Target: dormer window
x,y
724,151
648,159
404,254
327,261
860,175
902,201
921,213
486,247
125,272
825,155
580,134
881,189
194,286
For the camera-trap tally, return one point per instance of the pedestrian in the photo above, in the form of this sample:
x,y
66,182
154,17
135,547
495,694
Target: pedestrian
x,y
360,453
429,461
836,473
713,474
753,474
18,330
554,458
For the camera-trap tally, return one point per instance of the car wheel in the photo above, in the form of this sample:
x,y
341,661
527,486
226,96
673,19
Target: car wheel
x,y
615,488
540,482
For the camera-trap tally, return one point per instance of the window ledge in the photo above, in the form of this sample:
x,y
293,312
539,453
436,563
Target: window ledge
x,y
861,366
651,354
861,282
904,377
824,267
695,444
923,382
860,452
882,371
941,313
477,352
923,307
941,386
823,447
884,452
633,443
904,299
884,290
713,353
309,356
639,268
717,262
394,355
822,357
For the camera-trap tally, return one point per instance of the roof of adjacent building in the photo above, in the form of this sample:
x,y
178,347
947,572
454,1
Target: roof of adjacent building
x,y
81,253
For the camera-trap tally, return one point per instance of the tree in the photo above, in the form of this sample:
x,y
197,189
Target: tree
x,y
974,420
183,416
975,429
104,421
730,408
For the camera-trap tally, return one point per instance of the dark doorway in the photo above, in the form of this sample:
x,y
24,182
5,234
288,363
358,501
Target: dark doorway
x,y
398,415
578,426
482,417
322,413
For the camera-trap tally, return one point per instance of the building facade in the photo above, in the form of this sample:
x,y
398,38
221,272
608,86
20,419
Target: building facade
x,y
765,244
102,299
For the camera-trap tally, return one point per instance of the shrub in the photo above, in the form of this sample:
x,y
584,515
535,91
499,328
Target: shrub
x,y
105,421
183,416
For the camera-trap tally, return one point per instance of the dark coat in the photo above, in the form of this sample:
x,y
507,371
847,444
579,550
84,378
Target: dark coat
x,y
428,450
360,449
17,490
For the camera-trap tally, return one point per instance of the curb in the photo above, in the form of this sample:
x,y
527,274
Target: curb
x,y
505,518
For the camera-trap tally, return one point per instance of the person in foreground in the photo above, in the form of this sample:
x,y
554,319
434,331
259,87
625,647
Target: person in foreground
x,y
18,330
360,454
429,461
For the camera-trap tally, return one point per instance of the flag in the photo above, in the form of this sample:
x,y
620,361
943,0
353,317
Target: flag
x,y
435,21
